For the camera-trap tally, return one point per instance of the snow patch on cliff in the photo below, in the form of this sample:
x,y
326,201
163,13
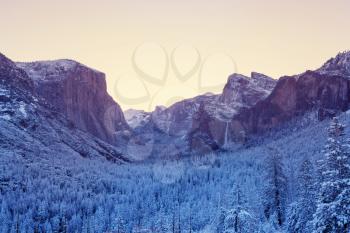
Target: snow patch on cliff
x,y
340,65
136,118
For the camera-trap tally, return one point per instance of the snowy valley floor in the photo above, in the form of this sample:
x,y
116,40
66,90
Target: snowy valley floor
x,y
195,194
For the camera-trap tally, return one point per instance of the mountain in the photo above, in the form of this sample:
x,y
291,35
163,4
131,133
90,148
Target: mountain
x,y
47,184
210,130
239,92
250,106
198,124
32,127
80,93
247,107
340,65
136,118
325,91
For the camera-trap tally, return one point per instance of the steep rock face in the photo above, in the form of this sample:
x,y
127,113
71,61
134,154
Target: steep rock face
x,y
11,75
201,124
79,93
340,65
177,119
241,91
30,127
256,104
326,90
203,132
136,118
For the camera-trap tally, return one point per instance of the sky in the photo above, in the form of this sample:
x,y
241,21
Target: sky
x,y
157,52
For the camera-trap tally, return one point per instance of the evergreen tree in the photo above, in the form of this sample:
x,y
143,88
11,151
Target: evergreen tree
x,y
162,225
42,215
63,225
220,221
333,203
237,218
5,217
300,213
99,220
119,225
47,227
16,225
275,189
293,220
55,223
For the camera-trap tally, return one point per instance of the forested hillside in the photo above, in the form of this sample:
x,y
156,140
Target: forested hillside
x,y
266,188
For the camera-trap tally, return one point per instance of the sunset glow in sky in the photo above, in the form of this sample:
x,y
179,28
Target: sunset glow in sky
x,y
275,37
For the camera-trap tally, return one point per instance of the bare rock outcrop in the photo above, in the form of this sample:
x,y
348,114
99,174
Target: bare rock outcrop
x,y
80,93
326,91
30,127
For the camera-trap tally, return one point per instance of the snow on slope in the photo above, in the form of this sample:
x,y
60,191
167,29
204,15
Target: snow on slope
x,y
136,118
31,127
239,92
171,127
47,70
140,196
340,65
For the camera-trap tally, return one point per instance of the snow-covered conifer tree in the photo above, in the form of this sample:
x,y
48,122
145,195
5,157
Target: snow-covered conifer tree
x,y
237,218
301,212
333,204
5,218
275,189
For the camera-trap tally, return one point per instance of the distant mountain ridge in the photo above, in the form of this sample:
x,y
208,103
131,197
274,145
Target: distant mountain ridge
x,y
30,126
250,106
340,65
325,91
80,93
73,97
184,123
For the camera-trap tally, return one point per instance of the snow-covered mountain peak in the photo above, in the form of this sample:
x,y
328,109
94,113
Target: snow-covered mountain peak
x,y
236,80
46,70
263,81
136,118
203,116
31,125
243,91
257,80
5,62
80,93
9,70
340,65
49,70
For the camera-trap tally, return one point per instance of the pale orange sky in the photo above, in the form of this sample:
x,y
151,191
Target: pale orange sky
x,y
275,37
